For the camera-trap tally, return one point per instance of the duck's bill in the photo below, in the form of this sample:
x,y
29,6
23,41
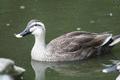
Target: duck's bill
x,y
22,34
18,36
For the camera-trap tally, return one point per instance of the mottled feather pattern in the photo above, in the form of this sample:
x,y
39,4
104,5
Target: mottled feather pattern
x,y
77,43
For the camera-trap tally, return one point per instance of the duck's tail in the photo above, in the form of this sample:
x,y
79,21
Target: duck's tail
x,y
116,39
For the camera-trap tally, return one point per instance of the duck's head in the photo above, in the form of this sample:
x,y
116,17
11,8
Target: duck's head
x,y
34,27
7,66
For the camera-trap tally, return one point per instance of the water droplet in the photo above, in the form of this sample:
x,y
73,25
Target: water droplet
x,y
7,24
78,28
22,77
22,7
110,14
92,21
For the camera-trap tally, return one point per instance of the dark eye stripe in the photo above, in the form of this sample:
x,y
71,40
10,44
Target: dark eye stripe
x,y
35,25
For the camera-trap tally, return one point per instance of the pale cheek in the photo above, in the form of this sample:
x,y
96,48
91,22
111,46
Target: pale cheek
x,y
32,29
37,32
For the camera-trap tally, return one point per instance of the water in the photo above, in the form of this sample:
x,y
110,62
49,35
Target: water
x,y
59,16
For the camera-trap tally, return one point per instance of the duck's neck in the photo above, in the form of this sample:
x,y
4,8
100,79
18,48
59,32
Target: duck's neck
x,y
39,48
40,42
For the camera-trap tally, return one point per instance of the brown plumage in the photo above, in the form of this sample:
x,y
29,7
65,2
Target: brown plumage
x,y
78,44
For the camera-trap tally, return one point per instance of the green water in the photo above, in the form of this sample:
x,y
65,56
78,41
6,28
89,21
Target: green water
x,y
59,16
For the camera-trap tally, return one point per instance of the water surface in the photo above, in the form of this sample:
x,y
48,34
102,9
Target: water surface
x,y
59,16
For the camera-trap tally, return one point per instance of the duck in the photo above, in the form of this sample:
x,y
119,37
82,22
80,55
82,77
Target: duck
x,y
9,71
118,69
76,45
115,67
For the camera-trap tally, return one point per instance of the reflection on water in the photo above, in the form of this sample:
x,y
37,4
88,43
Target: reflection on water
x,y
8,77
83,70
39,69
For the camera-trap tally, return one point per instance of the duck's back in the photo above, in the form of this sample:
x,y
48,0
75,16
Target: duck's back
x,y
77,44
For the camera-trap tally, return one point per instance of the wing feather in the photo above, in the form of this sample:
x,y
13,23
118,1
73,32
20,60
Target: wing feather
x,y
74,41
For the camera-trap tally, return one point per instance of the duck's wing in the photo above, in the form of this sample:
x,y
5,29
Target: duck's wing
x,y
74,41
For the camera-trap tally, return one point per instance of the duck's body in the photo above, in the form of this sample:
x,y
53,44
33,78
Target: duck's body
x,y
9,71
7,66
115,67
77,45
